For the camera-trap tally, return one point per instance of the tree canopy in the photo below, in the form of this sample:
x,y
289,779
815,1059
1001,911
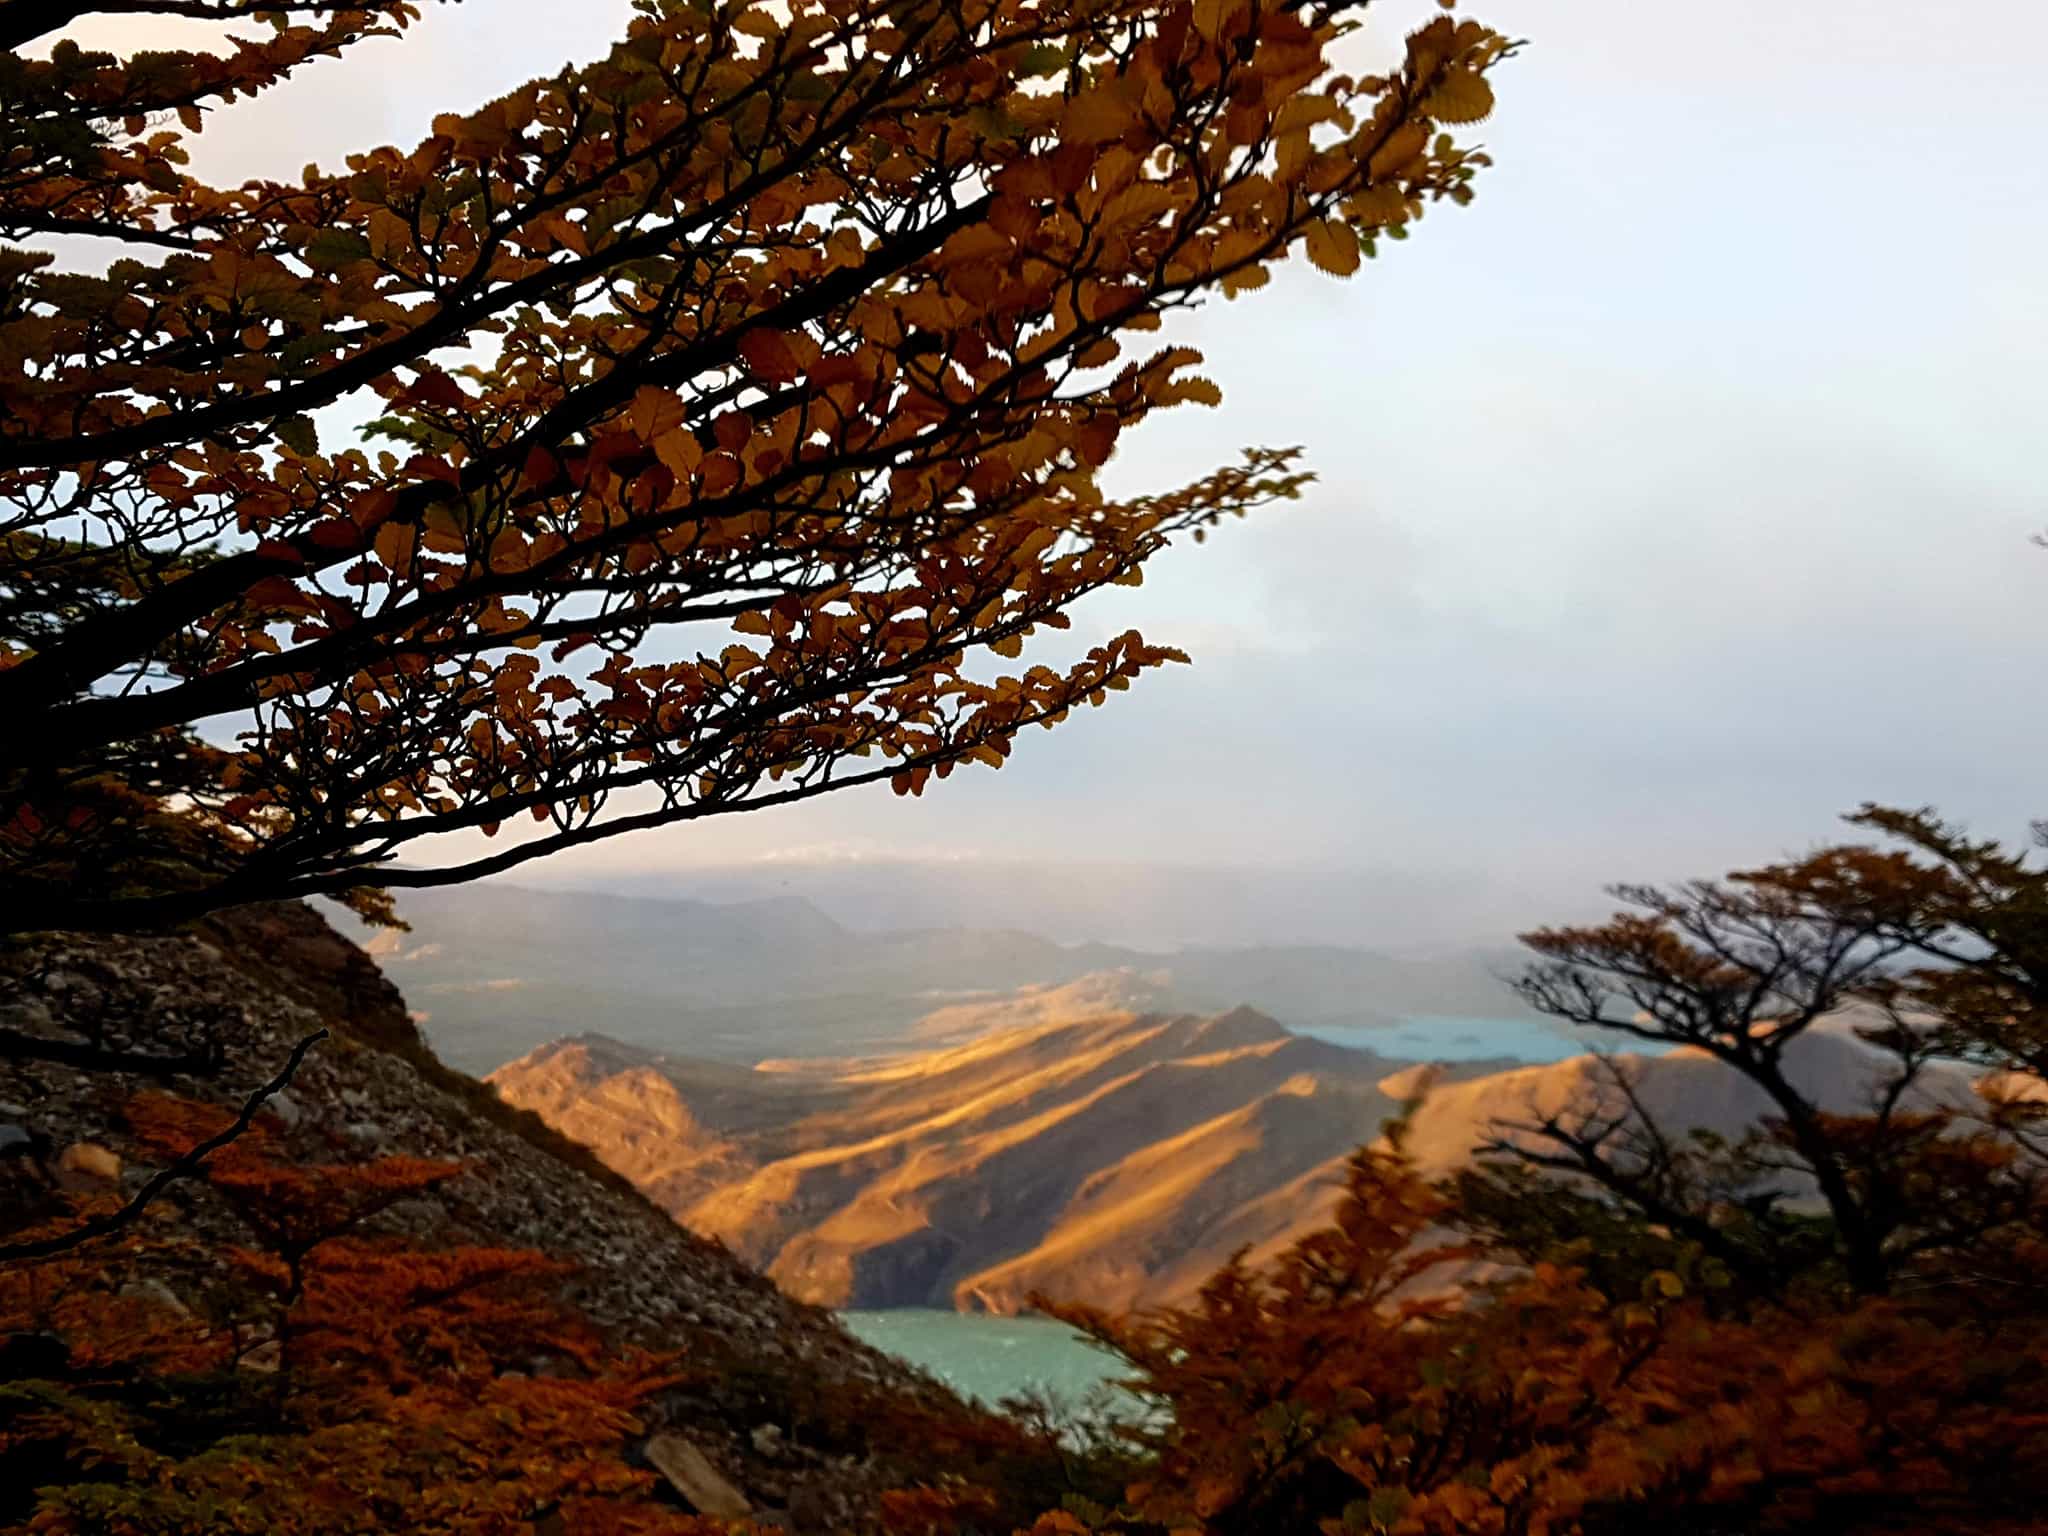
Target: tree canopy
x,y
737,405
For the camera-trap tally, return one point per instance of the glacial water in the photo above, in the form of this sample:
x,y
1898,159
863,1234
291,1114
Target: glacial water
x,y
1439,1037
985,1357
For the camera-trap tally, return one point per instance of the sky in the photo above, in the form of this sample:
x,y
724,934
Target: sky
x,y
1674,498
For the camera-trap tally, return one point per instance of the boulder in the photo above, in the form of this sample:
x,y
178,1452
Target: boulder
x,y
153,1290
90,1160
695,1480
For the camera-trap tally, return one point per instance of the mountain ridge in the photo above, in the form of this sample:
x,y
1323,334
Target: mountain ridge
x,y
1098,1151
1114,1156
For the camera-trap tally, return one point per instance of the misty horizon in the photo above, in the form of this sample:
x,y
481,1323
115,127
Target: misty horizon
x,y
1161,907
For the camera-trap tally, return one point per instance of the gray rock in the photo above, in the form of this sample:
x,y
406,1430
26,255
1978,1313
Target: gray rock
x,y
29,1014
645,1279
693,1477
152,1289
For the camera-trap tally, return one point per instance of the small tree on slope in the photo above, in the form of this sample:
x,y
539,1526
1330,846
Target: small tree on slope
x,y
1931,951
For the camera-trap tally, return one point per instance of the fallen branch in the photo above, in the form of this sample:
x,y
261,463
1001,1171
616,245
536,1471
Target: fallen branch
x,y
185,1167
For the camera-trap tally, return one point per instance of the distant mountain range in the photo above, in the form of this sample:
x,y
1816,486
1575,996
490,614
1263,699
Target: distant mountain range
x,y
1098,1151
1141,905
1068,1145
496,969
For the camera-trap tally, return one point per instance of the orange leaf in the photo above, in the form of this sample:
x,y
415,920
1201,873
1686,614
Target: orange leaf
x,y
1333,247
1095,117
769,355
396,545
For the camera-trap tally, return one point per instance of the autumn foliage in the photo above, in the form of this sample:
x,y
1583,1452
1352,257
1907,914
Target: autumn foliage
x,y
316,1377
1405,1370
1398,1374
739,402
737,406
1838,1323
1930,948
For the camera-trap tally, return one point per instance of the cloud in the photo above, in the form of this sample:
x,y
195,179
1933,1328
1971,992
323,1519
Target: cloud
x,y
865,851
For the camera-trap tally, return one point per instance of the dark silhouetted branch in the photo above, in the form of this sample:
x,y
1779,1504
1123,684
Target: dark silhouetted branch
x,y
185,1167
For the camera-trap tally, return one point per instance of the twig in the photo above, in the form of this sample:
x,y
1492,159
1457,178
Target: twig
x,y
185,1167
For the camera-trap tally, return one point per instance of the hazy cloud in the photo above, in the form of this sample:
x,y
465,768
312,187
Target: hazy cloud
x,y
1674,498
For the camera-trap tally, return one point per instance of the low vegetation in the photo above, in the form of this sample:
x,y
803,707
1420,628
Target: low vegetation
x,y
321,1375
1835,1323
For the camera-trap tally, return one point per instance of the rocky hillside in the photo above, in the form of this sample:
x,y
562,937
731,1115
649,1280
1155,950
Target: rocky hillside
x,y
1084,1150
776,1405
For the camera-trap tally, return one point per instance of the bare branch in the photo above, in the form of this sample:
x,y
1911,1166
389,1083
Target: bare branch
x,y
191,1165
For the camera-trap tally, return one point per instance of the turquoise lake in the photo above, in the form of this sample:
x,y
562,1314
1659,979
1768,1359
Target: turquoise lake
x,y
1451,1038
987,1357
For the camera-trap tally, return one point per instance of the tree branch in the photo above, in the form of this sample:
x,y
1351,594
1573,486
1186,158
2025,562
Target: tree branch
x,y
186,1167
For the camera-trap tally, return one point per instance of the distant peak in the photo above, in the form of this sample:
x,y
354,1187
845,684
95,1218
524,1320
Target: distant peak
x,y
1412,1082
594,1040
1245,1024
601,1054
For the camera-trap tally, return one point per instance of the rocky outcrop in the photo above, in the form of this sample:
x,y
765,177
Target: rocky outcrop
x,y
761,1370
694,1479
